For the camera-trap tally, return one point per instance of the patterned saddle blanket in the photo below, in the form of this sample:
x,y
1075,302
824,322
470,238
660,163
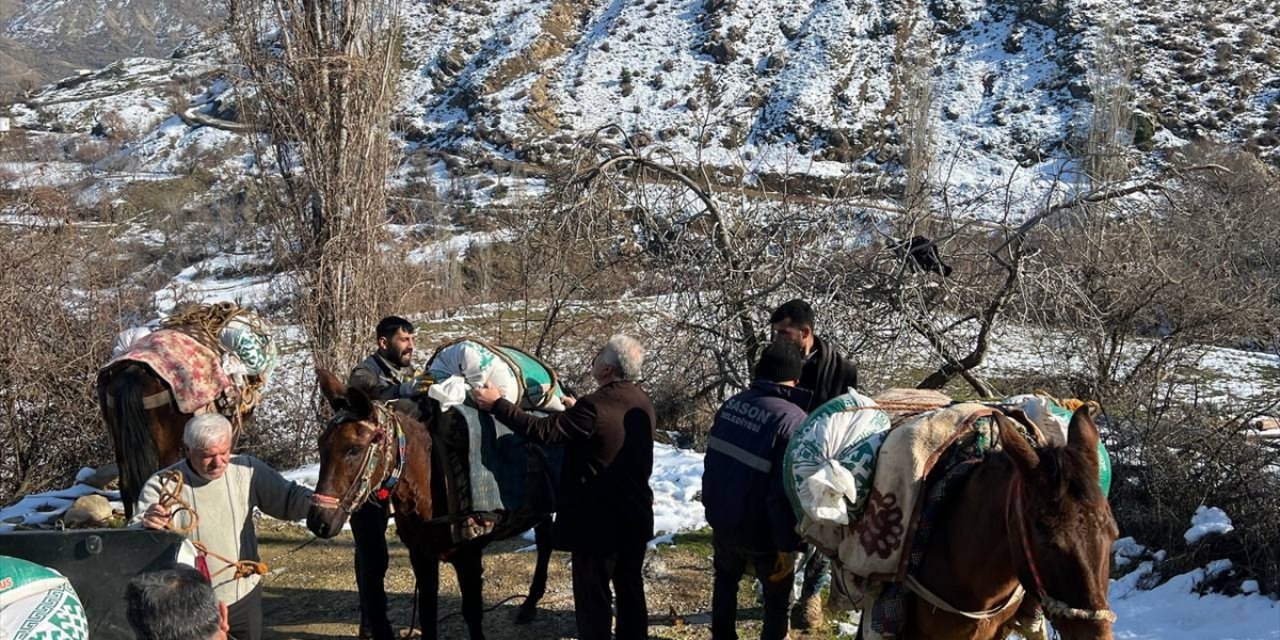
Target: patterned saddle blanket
x,y
492,473
191,370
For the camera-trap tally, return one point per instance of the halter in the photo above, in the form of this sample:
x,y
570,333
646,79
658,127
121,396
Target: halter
x,y
1053,608
377,462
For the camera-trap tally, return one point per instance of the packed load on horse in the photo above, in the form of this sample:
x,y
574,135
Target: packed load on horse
x,y
895,488
245,351
488,461
467,363
204,358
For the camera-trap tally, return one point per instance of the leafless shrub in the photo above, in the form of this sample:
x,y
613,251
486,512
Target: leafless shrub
x,y
1146,285
1169,458
62,290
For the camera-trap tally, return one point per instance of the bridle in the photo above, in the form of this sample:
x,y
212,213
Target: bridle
x,y
1053,608
381,467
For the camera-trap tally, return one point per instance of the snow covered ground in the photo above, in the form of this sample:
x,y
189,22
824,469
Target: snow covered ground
x,y
1175,610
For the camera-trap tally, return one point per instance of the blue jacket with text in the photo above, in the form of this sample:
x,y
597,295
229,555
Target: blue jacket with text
x,y
742,475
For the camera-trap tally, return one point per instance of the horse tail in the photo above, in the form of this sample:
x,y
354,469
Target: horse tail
x,y
138,456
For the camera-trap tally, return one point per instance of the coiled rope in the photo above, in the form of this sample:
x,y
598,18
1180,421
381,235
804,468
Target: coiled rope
x,y
171,484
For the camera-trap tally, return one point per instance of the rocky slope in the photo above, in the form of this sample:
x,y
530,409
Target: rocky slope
x,y
44,40
819,87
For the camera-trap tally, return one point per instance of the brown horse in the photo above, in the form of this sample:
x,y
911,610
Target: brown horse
x,y
360,453
1028,519
145,426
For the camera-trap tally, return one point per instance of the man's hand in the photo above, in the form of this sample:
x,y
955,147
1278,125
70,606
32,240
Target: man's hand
x,y
156,517
568,402
783,566
485,396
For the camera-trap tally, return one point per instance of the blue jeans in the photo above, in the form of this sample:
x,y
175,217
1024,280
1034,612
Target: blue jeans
x,y
817,573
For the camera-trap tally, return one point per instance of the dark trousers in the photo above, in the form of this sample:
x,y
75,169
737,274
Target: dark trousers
x,y
592,575
369,528
731,564
244,616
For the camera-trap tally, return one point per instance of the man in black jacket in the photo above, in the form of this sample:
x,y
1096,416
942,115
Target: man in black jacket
x,y
604,514
827,373
386,375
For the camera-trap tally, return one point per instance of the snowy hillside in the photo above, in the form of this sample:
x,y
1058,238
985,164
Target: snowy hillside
x,y
43,40
818,88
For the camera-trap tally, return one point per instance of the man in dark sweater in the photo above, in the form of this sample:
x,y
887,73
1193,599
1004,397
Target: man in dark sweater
x,y
743,471
604,515
387,374
827,373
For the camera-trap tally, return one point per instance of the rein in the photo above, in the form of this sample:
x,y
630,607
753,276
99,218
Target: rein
x,y
379,460
1053,608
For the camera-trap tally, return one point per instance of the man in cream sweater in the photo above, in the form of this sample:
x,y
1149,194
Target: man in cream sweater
x,y
223,490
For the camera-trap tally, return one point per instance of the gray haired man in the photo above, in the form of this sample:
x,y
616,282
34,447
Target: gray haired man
x,y
222,490
605,510
174,604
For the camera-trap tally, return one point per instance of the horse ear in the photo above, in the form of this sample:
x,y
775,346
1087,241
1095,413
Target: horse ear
x,y
332,389
358,403
1015,446
1082,433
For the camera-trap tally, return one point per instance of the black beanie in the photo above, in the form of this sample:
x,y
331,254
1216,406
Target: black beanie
x,y
781,361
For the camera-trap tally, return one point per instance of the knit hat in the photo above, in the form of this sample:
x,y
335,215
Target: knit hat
x,y
782,361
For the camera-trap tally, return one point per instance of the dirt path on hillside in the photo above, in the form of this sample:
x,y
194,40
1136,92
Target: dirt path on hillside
x,y
310,593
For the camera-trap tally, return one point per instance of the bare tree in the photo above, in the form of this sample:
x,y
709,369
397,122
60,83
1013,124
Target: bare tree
x,y
319,82
1148,284
915,77
1110,131
64,289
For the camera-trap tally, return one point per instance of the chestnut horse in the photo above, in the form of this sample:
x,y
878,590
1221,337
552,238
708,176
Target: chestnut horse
x,y
367,449
1027,520
145,426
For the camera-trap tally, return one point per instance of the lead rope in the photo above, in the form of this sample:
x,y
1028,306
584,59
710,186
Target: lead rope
x,y
171,484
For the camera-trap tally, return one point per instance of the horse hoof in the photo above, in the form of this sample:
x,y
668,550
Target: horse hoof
x,y
525,615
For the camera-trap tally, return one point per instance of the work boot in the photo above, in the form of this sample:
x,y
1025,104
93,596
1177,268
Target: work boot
x,y
806,615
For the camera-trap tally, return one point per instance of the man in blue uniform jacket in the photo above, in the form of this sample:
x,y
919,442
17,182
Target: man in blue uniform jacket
x,y
752,522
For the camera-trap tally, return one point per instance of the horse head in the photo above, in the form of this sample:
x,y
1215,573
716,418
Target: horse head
x,y
1060,526
358,454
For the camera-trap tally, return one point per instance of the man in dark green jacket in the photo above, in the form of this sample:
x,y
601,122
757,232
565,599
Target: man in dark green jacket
x,y
387,374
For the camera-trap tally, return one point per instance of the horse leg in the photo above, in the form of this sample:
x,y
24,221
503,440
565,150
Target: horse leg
x,y
469,565
426,572
542,539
